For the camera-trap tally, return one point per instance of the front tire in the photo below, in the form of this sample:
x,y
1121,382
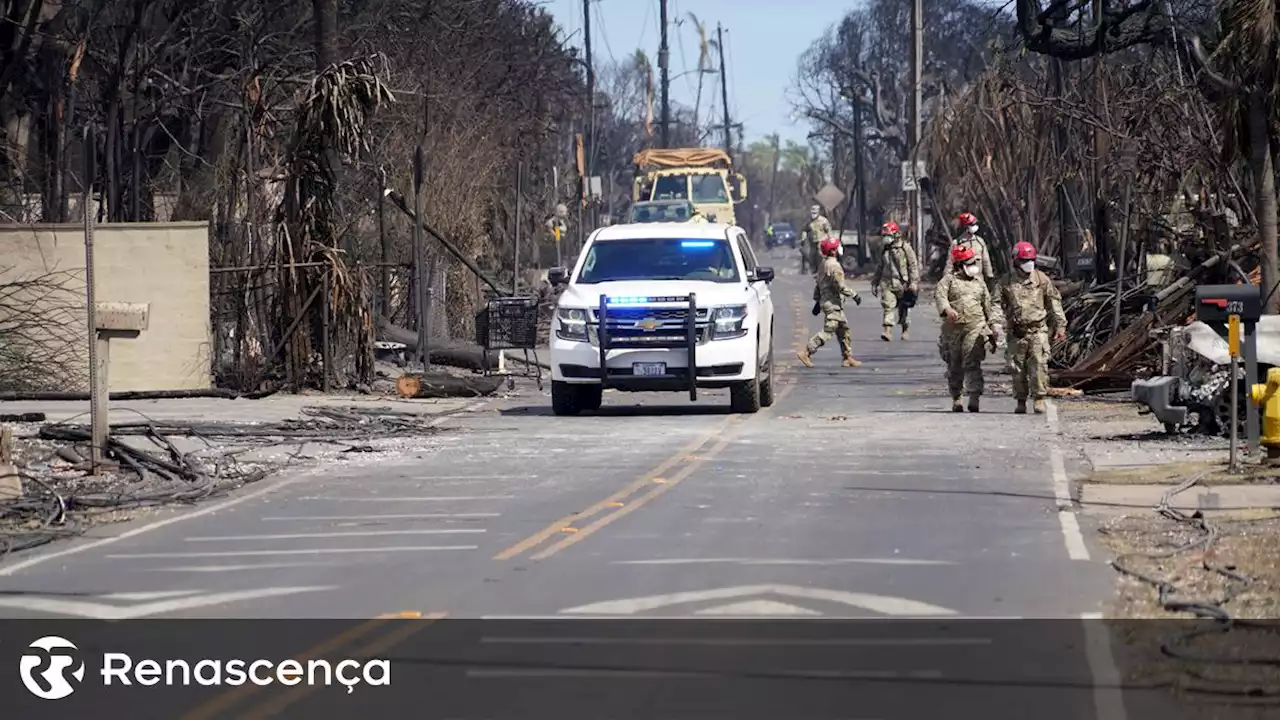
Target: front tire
x,y
766,386
565,398
744,397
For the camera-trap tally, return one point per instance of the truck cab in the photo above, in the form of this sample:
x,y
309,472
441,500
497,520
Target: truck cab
x,y
702,176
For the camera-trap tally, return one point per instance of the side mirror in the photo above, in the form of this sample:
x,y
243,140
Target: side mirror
x,y
558,276
738,188
763,274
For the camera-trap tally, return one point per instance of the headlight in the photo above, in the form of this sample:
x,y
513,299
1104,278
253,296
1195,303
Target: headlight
x,y
572,324
727,322
711,218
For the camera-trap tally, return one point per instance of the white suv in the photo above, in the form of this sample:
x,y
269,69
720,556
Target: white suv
x,y
647,302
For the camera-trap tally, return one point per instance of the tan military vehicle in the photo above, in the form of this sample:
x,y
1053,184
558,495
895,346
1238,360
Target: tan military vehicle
x,y
703,176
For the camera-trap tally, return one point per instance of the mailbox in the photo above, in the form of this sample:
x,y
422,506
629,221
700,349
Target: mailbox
x,y
1215,303
121,317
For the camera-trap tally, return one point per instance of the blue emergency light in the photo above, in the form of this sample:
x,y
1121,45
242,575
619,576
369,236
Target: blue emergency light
x,y
697,244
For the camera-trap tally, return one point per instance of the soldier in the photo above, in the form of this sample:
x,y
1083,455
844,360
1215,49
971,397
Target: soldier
x,y
1033,307
698,218
970,322
829,292
817,229
969,237
896,280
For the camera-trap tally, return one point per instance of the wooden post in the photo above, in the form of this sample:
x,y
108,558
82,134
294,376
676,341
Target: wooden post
x,y
10,483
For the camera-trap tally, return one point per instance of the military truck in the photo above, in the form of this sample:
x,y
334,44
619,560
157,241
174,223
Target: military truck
x,y
703,176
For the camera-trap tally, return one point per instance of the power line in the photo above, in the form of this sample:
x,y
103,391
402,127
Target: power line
x,y
604,33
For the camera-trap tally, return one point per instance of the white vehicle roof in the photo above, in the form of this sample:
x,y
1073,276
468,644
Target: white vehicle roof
x,y
634,231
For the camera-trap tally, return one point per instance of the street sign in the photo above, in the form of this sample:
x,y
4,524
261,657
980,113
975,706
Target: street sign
x,y
829,197
911,174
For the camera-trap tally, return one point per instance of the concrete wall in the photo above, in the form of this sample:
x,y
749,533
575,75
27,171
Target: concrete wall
x,y
164,264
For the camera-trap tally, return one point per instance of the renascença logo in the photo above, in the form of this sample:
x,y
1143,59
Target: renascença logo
x,y
46,664
56,656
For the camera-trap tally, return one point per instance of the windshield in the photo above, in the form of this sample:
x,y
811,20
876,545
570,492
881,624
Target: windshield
x,y
671,187
709,189
659,259
782,227
661,212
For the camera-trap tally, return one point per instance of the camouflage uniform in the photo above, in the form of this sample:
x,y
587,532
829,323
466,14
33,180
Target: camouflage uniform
x,y
830,291
812,234
1033,307
981,251
963,343
898,270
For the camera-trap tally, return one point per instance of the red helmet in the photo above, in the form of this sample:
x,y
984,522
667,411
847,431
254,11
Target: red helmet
x,y
962,253
890,228
1024,251
967,219
830,246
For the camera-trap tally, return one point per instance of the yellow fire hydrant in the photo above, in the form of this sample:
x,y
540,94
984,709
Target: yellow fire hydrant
x,y
1267,396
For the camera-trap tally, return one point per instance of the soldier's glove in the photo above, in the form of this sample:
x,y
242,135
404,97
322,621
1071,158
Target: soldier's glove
x,y
857,299
817,309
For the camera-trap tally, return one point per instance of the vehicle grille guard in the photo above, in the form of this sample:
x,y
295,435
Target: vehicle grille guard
x,y
680,328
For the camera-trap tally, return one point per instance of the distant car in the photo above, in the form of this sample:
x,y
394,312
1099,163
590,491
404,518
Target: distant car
x,y
784,233
652,211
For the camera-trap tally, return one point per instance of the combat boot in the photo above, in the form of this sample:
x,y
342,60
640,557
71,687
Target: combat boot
x,y
906,335
806,357
887,335
850,361
1039,406
973,403
1021,409
956,405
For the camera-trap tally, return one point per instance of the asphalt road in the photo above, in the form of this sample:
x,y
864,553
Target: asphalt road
x,y
857,495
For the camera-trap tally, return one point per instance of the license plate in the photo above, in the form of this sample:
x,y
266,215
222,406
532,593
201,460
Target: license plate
x,y
649,369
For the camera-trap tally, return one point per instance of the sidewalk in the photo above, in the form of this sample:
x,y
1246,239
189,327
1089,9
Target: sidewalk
x,y
1225,521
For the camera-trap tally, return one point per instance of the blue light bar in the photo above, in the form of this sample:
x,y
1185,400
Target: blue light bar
x,y
697,243
626,300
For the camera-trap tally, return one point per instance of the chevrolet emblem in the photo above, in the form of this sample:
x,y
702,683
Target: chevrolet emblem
x,y
648,324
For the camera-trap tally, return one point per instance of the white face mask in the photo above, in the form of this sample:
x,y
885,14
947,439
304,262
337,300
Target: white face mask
x,y
972,229
973,271
1028,266
813,213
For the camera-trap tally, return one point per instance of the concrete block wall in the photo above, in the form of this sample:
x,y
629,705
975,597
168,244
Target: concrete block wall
x,y
164,264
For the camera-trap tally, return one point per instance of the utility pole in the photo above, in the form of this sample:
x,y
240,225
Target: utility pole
x,y
591,86
864,248
724,93
917,59
664,57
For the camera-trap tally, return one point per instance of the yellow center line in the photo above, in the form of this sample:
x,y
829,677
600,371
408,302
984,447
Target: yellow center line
x,y
612,501
216,705
276,704
657,489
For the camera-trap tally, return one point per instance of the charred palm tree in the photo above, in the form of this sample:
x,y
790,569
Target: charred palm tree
x,y
333,117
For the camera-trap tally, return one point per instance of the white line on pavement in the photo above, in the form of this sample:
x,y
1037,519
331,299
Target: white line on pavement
x,y
306,551
1071,535
234,568
1108,698
326,535
411,516
782,561
442,498
736,642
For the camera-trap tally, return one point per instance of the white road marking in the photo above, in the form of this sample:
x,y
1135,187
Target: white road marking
x,y
145,596
98,611
883,604
736,642
1108,698
621,674
782,561
954,618
234,568
326,535
306,551
411,516
1070,524
208,510
757,607
441,498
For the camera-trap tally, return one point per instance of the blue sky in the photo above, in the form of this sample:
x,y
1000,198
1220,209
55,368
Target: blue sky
x,y
763,41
